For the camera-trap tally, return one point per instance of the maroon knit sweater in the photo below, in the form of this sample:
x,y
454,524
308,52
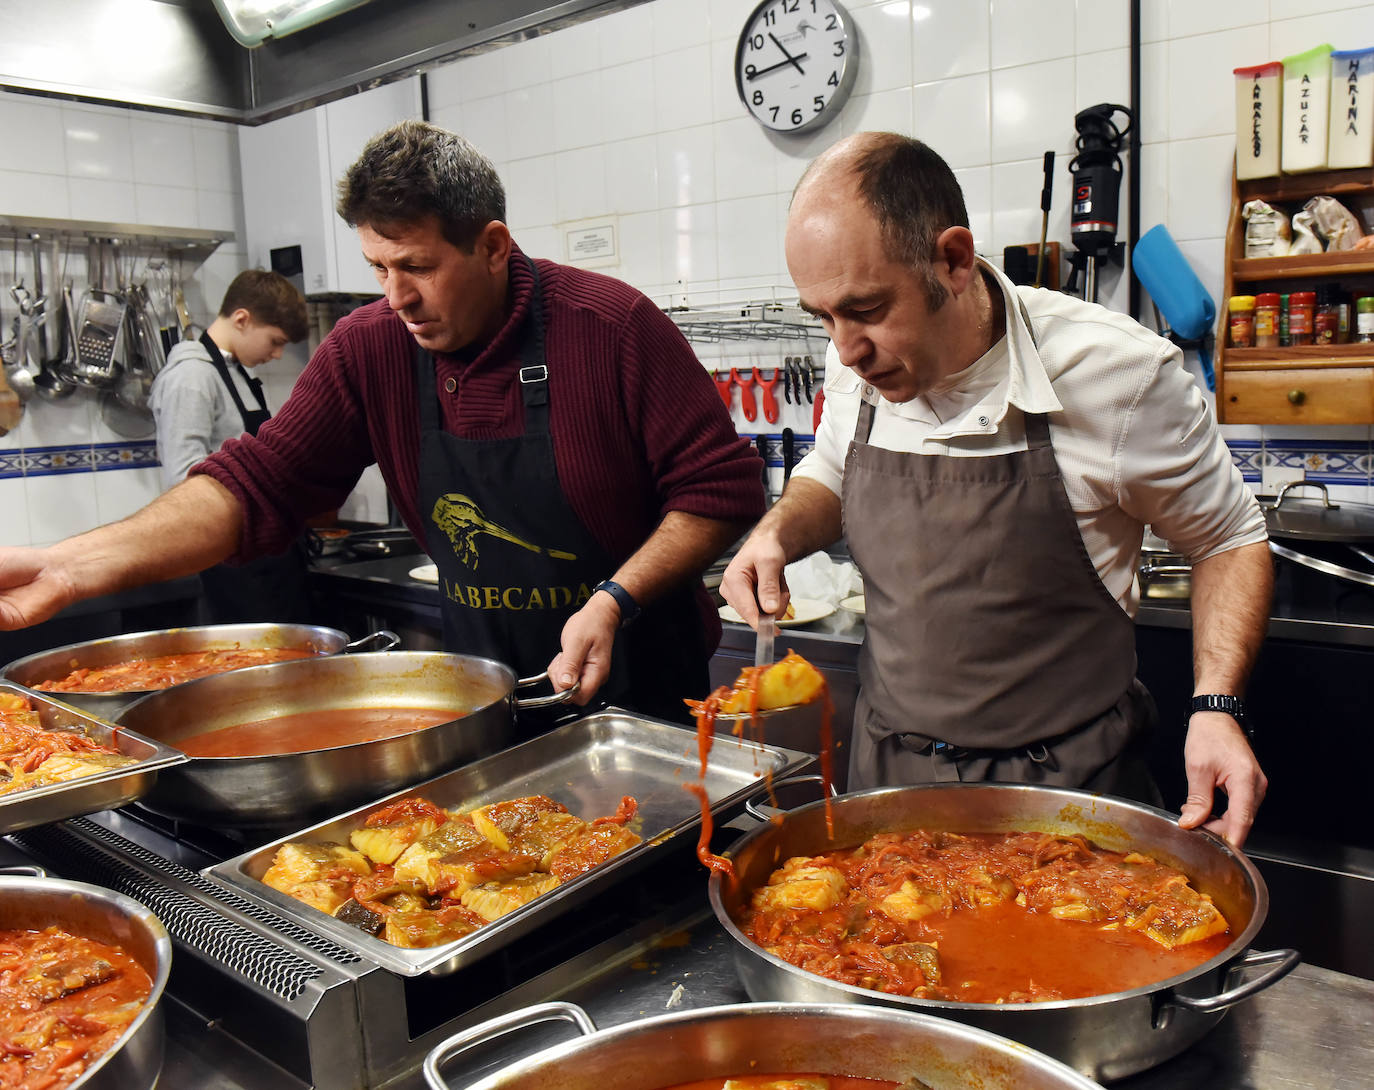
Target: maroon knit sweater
x,y
638,428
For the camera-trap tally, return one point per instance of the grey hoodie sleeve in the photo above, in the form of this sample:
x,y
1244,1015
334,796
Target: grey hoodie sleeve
x,y
184,404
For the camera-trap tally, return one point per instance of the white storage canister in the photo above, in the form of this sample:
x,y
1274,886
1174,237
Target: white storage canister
x,y
1306,107
1259,95
1351,143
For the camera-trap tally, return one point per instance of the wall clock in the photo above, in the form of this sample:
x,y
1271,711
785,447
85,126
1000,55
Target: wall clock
x,y
795,63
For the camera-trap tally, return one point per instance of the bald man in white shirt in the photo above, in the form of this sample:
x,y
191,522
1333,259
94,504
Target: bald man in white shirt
x,y
991,455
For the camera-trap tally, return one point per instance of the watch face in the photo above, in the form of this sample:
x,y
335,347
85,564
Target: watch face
x,y
795,63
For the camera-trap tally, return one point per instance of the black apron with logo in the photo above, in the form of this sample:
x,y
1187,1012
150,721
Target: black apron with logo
x,y
270,588
515,561
993,651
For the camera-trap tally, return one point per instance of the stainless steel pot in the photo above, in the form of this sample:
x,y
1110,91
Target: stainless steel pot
x,y
765,1038
60,661
1108,1036
296,789
1320,535
35,901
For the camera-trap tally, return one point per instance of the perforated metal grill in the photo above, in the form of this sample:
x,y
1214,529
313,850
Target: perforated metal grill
x,y
197,925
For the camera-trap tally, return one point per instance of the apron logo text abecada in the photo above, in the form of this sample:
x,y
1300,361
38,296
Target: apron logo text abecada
x,y
462,520
517,598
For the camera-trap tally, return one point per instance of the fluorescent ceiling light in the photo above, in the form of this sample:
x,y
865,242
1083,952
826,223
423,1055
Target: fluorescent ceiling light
x,y
251,22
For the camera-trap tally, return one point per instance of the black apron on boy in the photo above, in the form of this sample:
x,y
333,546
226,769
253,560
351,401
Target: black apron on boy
x,y
270,588
515,561
993,651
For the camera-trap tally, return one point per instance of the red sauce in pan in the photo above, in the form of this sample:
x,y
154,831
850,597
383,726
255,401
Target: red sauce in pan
x,y
302,732
787,1082
142,675
64,1001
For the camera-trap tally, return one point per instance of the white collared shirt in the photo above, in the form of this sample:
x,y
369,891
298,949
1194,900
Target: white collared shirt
x,y
1135,441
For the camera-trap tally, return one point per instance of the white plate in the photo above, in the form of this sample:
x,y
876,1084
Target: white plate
x,y
425,573
854,605
808,610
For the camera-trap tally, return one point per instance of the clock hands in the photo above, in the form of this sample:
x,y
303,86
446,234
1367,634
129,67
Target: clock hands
x,y
752,73
783,50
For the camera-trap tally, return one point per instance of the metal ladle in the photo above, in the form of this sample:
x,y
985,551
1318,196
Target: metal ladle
x,y
48,383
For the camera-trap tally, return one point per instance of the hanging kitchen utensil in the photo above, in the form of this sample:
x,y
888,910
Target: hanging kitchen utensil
x,y
789,454
18,381
724,385
746,392
120,418
100,328
11,404
48,382
770,399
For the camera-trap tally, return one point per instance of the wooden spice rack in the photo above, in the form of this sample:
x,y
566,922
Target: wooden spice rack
x,y
1304,384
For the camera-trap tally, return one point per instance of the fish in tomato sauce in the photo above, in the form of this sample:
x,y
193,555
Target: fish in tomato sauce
x,y
164,671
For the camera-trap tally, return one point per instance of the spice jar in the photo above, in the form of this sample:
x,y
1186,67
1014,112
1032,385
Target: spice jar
x,y
1326,318
1242,321
1284,339
1267,319
1302,307
1364,320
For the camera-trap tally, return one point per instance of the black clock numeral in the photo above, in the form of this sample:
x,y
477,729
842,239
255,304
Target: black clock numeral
x,y
820,103
758,98
797,117
774,111
813,7
770,18
839,49
756,41
833,81
832,21
789,7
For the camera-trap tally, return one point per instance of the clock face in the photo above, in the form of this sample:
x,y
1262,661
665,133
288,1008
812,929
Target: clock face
x,y
795,63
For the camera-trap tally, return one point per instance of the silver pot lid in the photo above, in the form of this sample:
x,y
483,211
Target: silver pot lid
x,y
1288,515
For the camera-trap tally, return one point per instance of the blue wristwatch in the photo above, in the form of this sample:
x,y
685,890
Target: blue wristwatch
x,y
629,608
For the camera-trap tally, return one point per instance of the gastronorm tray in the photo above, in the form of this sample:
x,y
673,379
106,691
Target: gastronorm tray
x,y
587,765
104,790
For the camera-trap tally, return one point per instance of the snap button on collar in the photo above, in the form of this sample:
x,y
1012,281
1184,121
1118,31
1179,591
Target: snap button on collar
x,y
450,384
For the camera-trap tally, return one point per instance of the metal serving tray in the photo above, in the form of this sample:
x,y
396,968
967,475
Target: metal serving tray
x,y
587,765
104,790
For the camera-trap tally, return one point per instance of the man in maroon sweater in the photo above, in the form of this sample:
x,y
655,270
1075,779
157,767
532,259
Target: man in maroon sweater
x,y
544,431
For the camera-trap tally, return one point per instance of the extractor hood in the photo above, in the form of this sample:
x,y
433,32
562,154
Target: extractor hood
x,y
252,22
179,56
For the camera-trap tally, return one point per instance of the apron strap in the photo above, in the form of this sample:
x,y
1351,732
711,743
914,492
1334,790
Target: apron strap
x,y
217,359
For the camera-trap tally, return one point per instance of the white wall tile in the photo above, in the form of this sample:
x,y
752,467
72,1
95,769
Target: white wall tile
x,y
742,153
686,167
1289,9
954,117
1351,29
1187,17
682,88
484,126
14,526
170,205
627,100
626,35
727,17
98,144
632,175
97,199
163,151
688,238
882,111
748,231
949,39
529,117
35,127
1154,185
574,50
1016,215
218,211
524,64
60,506
1102,24
578,107
26,194
976,182
1028,31
795,153
1154,92
56,423
641,250
531,192
680,23
581,176
1032,110
1200,187
1102,77
543,241
1202,84
121,492
885,46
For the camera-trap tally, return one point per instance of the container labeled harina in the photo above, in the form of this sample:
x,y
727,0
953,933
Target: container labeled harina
x,y
1259,98
1350,142
1306,108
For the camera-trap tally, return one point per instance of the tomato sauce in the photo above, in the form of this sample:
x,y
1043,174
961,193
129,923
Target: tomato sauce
x,y
64,1001
788,1082
302,732
143,675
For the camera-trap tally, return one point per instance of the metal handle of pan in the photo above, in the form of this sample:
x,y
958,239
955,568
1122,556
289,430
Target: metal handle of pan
x,y
754,810
499,1027
28,869
543,701
1292,485
1326,567
1280,962
386,640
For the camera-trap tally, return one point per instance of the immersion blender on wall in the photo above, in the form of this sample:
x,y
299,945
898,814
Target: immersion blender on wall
x,y
1096,173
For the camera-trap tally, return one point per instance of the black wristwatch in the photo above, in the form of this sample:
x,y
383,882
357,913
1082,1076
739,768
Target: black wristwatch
x,y
629,608
1231,705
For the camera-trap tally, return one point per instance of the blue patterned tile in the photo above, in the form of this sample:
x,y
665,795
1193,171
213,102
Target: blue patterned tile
x,y
52,461
11,463
1327,462
1247,454
132,454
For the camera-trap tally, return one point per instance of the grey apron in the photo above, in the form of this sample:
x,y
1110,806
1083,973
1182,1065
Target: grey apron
x,y
993,651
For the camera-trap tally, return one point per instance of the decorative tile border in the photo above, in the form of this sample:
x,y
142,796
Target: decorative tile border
x,y
1329,463
802,445
1248,454
55,461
